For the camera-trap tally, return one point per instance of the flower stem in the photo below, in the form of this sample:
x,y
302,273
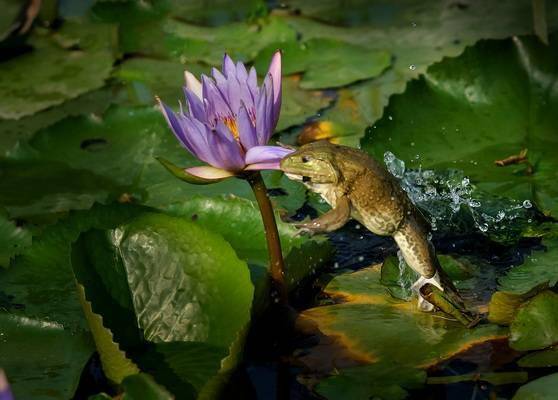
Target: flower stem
x,y
277,266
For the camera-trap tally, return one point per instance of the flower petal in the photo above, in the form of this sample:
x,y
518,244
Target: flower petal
x,y
265,154
175,125
253,83
195,175
229,69
275,72
193,84
227,148
276,165
195,105
216,105
261,117
209,173
246,130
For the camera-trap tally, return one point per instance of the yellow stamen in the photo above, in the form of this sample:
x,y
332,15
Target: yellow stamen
x,y
231,124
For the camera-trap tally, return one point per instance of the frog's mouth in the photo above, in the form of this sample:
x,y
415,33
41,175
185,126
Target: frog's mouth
x,y
301,178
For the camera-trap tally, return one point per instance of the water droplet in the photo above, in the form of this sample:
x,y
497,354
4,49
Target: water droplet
x,y
483,227
414,24
412,144
412,67
527,204
465,182
360,258
390,117
395,166
474,203
336,265
357,226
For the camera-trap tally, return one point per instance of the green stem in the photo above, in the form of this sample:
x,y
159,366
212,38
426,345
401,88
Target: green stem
x,y
277,266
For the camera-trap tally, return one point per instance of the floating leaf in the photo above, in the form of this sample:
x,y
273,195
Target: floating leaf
x,y
538,269
327,63
217,12
143,387
503,306
540,359
465,105
42,359
416,34
540,389
75,60
182,284
372,381
536,324
13,240
422,339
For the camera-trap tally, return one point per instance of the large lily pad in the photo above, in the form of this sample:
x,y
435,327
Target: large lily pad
x,y
536,324
540,389
13,240
327,63
418,36
539,268
74,60
181,283
388,333
112,158
483,106
42,359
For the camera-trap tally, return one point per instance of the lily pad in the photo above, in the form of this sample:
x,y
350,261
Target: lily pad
x,y
299,104
540,389
466,104
357,383
201,297
366,317
540,359
143,387
536,324
327,63
539,268
13,240
75,60
416,34
15,132
42,359
217,12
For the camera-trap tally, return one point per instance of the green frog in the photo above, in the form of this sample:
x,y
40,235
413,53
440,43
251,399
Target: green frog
x,y
357,186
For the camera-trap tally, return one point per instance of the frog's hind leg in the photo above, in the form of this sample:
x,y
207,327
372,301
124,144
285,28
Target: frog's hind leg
x,y
419,254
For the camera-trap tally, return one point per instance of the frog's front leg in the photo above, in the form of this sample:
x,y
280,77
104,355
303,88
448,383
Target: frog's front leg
x,y
330,221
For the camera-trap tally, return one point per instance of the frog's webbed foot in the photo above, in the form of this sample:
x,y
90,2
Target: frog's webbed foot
x,y
423,304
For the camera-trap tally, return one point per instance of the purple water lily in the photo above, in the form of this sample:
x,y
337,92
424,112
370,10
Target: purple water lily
x,y
230,120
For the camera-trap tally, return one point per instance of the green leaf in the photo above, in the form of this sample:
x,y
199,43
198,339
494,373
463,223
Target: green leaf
x,y
217,12
143,387
14,132
540,389
536,324
298,104
503,305
13,240
41,279
75,60
364,320
540,359
483,106
417,35
147,78
42,359
538,269
189,294
116,366
372,381
327,63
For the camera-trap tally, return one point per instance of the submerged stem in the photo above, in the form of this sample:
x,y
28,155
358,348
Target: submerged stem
x,y
277,267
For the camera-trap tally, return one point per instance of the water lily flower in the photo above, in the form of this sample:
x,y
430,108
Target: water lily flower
x,y
228,122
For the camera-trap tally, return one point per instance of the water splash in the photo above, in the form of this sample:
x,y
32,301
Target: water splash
x,y
449,197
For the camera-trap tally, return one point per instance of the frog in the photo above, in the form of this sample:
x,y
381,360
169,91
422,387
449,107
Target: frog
x,y
358,187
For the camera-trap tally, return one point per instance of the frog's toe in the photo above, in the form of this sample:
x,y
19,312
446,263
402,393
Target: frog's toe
x,y
424,305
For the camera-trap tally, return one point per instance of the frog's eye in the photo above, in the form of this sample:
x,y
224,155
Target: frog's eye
x,y
305,159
